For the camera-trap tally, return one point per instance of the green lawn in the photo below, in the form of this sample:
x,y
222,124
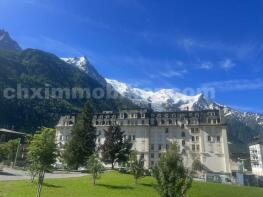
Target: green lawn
x,y
113,184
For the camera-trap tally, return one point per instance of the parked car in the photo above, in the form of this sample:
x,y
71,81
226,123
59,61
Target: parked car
x,y
123,170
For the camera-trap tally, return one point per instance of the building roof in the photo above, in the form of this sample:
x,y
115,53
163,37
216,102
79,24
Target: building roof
x,y
11,131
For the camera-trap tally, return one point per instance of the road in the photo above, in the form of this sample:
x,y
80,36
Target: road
x,y
9,174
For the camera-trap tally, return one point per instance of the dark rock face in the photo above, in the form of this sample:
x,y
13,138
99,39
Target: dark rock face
x,y
7,43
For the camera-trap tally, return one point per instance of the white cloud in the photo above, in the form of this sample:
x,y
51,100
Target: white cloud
x,y
173,73
235,85
206,65
227,64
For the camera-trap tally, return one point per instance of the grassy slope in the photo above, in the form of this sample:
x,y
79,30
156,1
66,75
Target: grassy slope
x,y
117,185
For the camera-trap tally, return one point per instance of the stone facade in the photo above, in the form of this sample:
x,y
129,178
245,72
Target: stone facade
x,y
199,134
256,157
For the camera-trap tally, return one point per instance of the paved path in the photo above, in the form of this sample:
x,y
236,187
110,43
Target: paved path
x,y
9,174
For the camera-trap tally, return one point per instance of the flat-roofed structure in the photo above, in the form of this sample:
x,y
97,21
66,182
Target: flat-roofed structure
x,y
7,134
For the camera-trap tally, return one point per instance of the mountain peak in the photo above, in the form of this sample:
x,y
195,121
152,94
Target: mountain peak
x,y
81,62
84,65
7,43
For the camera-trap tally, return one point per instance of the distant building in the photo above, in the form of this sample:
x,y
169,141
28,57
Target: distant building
x,y
256,156
199,134
6,135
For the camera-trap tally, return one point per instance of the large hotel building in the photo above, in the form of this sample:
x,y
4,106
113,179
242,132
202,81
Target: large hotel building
x,y
200,134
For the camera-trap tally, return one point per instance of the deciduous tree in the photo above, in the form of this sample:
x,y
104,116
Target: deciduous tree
x,y
95,167
136,166
42,153
172,177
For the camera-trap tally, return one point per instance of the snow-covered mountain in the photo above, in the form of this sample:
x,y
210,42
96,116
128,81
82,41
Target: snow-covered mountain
x,y
163,99
83,64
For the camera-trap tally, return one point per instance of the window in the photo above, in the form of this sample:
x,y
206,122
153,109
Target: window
x,y
162,122
214,121
152,155
167,146
133,137
209,138
197,138
182,126
142,156
152,146
160,147
197,147
193,147
183,142
183,134
152,163
160,155
166,130
142,121
194,130
218,138
170,121
193,138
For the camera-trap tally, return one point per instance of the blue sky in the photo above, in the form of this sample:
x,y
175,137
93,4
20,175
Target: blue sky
x,y
153,44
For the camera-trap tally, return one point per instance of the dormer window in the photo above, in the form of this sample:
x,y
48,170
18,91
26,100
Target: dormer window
x,y
122,115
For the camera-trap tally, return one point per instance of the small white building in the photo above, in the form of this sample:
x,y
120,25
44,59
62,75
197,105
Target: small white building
x,y
256,157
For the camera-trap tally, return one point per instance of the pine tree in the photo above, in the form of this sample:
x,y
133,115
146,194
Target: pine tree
x,y
115,147
83,140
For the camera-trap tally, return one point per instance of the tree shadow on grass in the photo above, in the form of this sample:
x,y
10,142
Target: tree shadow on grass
x,y
147,184
7,174
51,185
115,186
